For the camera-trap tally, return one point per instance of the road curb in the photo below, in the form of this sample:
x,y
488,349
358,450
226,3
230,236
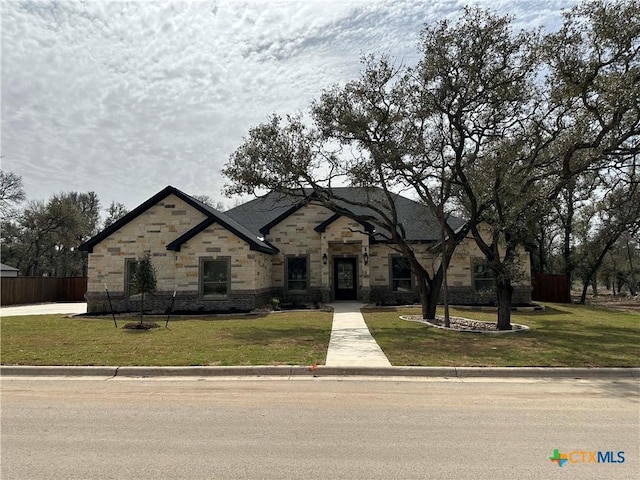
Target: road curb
x,y
547,372
57,371
320,371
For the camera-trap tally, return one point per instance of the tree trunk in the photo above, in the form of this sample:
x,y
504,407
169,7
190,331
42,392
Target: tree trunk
x,y
592,274
432,302
142,308
424,296
583,296
632,273
504,292
429,292
541,248
445,300
444,266
566,253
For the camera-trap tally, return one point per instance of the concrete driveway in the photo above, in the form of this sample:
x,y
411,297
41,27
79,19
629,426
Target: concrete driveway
x,y
44,309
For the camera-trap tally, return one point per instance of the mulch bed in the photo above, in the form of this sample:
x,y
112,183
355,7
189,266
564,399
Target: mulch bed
x,y
141,326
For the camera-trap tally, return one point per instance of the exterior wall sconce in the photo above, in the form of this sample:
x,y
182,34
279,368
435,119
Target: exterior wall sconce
x,y
324,258
365,257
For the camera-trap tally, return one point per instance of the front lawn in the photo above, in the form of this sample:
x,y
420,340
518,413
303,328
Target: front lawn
x,y
563,335
291,338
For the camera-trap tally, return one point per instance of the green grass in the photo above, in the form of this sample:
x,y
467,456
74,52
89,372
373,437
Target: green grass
x,y
563,335
292,338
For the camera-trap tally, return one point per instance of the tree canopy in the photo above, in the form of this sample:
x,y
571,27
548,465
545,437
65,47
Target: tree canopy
x,y
43,238
11,192
492,123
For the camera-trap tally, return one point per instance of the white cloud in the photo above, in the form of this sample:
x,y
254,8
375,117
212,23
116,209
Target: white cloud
x,y
123,98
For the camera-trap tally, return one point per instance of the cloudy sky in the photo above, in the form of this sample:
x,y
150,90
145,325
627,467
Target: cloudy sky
x,y
125,98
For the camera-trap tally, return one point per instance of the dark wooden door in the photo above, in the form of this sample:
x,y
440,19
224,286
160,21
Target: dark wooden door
x,y
345,278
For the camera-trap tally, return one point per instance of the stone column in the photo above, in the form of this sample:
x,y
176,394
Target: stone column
x,y
325,285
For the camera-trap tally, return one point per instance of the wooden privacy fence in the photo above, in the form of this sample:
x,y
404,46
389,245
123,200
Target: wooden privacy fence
x,y
550,288
24,290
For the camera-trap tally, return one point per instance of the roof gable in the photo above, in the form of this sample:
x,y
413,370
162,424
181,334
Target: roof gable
x,y
212,215
323,226
255,243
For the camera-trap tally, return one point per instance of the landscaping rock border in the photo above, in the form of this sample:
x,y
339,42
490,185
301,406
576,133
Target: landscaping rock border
x,y
466,325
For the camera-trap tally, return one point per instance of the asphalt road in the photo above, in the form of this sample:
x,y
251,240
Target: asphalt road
x,y
223,428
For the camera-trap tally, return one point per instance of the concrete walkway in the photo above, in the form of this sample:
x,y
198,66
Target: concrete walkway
x,y
351,343
44,309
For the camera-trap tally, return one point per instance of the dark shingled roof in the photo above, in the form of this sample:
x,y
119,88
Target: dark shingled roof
x,y
415,220
252,220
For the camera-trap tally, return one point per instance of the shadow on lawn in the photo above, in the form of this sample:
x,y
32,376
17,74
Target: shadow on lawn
x,y
295,334
597,334
547,311
593,344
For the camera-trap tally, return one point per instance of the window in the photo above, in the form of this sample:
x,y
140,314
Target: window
x,y
131,265
401,275
482,276
214,277
296,273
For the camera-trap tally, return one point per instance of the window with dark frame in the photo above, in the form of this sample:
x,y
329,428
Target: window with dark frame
x,y
401,276
297,273
131,265
214,277
483,280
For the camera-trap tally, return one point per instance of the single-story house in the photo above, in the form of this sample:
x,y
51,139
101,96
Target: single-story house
x,y
274,246
8,271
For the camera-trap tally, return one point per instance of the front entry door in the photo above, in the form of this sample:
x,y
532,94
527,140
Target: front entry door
x,y
345,278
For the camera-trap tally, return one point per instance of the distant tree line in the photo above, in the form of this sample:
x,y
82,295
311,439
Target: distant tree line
x,y
42,237
591,233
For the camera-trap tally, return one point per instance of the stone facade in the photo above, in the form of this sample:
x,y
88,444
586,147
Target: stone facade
x,y
311,235
179,271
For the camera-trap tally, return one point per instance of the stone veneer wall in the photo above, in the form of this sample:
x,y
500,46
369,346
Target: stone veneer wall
x,y
184,302
249,269
457,295
257,277
153,230
296,236
459,276
177,271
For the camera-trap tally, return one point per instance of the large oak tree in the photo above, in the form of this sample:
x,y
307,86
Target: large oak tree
x,y
502,122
